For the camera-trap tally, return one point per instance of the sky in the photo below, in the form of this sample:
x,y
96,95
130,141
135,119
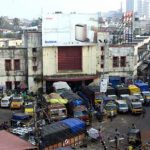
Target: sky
x,y
30,9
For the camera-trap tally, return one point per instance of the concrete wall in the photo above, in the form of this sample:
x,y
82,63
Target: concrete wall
x,y
118,52
33,40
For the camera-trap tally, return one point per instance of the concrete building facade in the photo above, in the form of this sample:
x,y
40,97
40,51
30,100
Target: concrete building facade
x,y
13,67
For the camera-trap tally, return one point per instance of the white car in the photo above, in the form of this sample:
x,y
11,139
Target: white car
x,y
5,101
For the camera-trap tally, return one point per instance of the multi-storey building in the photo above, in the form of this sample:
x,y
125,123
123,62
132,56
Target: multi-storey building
x,y
143,8
130,6
33,43
13,67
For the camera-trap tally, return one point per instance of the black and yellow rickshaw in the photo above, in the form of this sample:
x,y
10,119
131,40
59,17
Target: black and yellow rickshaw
x,y
134,137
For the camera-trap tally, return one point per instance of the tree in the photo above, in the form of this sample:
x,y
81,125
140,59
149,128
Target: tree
x,y
16,23
2,22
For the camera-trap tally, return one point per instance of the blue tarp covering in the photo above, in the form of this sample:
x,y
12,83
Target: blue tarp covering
x,y
20,116
64,148
76,125
114,80
142,86
77,102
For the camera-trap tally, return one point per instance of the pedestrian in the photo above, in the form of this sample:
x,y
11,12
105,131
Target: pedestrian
x,y
101,139
117,133
133,126
111,115
100,134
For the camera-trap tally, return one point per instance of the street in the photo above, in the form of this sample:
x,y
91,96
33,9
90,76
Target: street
x,y
122,122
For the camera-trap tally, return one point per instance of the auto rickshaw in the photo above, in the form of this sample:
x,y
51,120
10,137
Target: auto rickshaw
x,y
134,137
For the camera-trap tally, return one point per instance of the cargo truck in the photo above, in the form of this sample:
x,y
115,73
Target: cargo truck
x,y
69,132
111,92
56,107
122,91
134,90
144,88
93,94
76,106
110,106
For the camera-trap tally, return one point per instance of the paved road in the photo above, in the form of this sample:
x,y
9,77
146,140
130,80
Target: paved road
x,y
121,121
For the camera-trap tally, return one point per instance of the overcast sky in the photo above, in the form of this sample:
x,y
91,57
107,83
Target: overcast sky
x,y
34,8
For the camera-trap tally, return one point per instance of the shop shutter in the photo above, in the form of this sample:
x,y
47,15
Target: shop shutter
x,y
70,58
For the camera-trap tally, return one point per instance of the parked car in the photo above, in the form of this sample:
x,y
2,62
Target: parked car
x,y
5,101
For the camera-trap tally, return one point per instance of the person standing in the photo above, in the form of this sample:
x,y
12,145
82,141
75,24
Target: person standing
x,y
101,139
133,126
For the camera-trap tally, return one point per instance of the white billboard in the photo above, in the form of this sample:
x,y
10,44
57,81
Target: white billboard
x,y
69,29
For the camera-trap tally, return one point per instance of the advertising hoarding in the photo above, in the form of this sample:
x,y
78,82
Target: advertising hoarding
x,y
69,29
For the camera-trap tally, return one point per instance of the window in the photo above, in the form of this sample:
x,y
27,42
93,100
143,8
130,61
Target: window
x,y
34,59
102,65
17,83
34,50
102,48
115,61
123,61
8,65
16,64
34,68
102,57
8,85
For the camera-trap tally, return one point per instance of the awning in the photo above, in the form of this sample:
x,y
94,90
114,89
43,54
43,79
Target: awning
x,y
75,78
142,67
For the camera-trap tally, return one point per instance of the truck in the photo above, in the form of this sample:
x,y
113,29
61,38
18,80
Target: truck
x,y
146,96
143,86
110,106
68,132
134,90
76,106
122,91
56,106
111,92
135,106
59,86
93,94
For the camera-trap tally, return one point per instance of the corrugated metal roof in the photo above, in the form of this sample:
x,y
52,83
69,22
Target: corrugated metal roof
x,y
8,141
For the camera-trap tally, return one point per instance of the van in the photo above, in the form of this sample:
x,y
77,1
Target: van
x,y
122,106
134,104
139,95
146,96
5,102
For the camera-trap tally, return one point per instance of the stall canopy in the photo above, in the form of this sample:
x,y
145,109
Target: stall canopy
x,y
13,142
